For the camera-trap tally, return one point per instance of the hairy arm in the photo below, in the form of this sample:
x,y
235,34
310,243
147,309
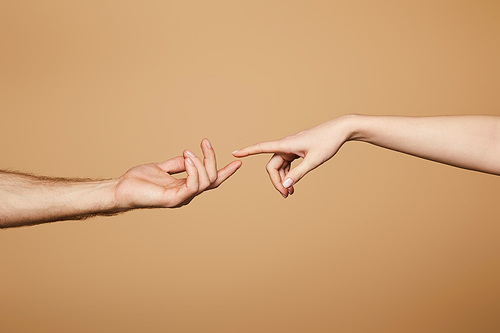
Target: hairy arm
x,y
470,142
27,199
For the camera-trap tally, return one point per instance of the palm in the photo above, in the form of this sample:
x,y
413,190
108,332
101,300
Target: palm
x,y
149,186
152,185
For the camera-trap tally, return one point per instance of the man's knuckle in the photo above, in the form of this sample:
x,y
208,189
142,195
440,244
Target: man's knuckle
x,y
193,190
204,185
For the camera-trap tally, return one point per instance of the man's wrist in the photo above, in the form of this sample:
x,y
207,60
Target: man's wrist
x,y
105,195
77,200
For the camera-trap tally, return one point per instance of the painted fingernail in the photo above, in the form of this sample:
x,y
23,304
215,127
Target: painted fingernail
x,y
190,153
234,152
284,196
209,145
287,183
190,161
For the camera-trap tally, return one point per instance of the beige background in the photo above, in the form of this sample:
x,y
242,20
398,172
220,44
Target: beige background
x,y
373,241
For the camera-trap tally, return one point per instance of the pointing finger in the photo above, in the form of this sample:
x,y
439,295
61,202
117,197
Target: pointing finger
x,y
259,148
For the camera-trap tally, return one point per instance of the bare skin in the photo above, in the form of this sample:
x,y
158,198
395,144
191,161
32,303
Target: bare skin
x,y
27,200
469,142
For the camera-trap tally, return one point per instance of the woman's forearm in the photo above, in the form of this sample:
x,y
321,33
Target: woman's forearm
x,y
470,142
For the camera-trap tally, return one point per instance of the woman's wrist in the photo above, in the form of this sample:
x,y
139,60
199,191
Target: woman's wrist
x,y
353,127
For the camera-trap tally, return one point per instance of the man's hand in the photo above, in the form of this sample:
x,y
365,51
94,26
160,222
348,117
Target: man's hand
x,y
27,199
152,185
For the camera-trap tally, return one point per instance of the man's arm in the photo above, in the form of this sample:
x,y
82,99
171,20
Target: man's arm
x,y
27,199
470,142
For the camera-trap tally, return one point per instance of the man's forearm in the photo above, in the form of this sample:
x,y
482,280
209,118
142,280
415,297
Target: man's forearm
x,y
27,199
471,142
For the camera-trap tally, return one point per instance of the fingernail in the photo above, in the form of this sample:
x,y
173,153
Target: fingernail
x,y
190,161
208,144
287,183
284,196
190,153
234,152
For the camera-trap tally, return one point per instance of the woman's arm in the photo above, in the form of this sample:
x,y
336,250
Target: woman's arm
x,y
470,142
26,199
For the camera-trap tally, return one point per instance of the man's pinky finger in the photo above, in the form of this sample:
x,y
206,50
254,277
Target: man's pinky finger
x,y
225,173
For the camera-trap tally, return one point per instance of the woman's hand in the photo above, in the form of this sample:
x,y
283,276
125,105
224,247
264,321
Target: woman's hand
x,y
469,142
315,145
